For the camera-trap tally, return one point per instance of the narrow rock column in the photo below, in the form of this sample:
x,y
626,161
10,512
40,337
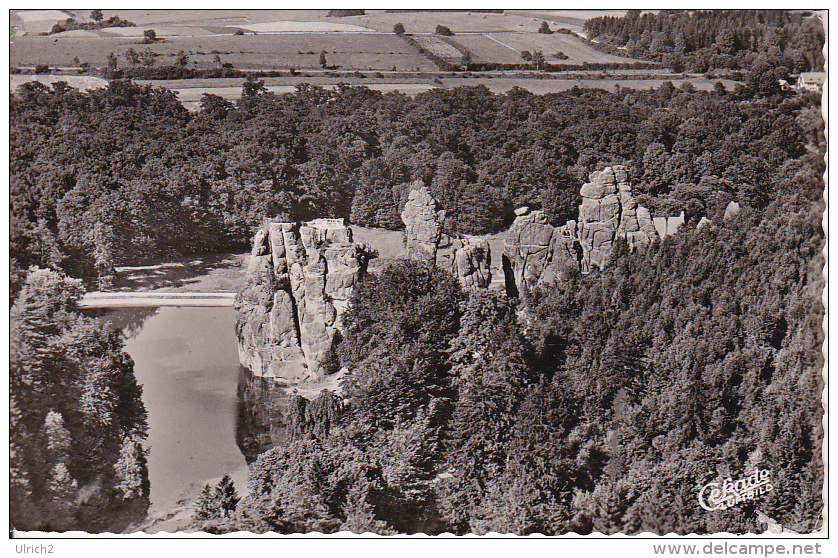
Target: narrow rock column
x,y
423,221
527,248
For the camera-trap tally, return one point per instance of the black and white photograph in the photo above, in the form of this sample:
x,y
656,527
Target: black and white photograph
x,y
370,273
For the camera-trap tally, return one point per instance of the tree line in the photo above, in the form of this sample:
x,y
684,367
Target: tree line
x,y
77,420
702,40
125,173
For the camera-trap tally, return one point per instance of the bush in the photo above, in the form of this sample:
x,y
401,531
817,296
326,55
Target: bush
x,y
42,69
398,29
149,36
544,29
560,56
443,30
239,32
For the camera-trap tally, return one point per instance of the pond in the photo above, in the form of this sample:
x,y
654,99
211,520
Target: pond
x,y
186,361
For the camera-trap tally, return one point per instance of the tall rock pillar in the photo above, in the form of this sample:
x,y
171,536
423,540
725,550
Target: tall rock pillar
x,y
299,280
423,219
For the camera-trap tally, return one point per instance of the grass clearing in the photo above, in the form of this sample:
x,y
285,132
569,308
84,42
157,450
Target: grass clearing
x,y
390,244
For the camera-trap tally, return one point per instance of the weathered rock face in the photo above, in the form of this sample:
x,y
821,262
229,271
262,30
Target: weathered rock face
x,y
473,263
732,210
423,221
298,283
469,259
527,251
537,253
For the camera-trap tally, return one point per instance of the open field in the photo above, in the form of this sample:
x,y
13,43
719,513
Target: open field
x,y
458,22
438,46
285,26
348,51
484,48
282,39
506,48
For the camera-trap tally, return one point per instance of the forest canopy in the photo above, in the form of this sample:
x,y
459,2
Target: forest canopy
x,y
702,40
125,173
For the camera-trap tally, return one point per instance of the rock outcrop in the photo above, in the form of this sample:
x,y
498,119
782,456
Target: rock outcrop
x,y
537,253
470,259
732,210
423,220
473,263
299,280
527,251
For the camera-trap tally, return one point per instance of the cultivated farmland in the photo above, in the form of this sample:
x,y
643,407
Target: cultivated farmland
x,y
484,48
505,47
349,51
439,47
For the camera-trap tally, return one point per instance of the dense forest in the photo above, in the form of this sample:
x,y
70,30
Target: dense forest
x,y
602,403
703,40
77,421
124,173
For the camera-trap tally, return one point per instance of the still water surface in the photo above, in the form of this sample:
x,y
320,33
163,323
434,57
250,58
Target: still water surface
x,y
187,363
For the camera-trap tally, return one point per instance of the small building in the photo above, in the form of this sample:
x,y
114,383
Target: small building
x,y
811,81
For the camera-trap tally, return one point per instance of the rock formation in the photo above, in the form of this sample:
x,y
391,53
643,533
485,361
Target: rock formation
x,y
423,220
527,251
732,210
473,263
299,280
470,259
537,253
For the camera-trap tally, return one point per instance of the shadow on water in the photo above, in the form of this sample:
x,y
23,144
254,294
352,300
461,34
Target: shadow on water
x,y
267,416
129,320
262,415
158,275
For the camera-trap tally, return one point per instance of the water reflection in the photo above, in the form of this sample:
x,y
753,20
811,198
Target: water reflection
x,y
129,320
261,415
267,416
186,361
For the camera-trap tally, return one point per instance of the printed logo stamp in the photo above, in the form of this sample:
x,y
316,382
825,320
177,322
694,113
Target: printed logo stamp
x,y
720,496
